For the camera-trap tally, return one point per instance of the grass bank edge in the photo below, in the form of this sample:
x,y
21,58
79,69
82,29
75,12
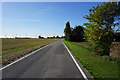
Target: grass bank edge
x,y
96,65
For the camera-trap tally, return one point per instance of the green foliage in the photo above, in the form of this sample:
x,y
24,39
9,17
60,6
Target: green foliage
x,y
67,31
104,14
75,34
107,58
111,59
99,39
99,32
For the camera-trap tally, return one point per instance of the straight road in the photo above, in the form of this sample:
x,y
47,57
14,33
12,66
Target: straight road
x,y
53,61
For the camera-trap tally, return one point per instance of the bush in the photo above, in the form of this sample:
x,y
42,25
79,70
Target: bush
x,y
111,59
99,39
99,32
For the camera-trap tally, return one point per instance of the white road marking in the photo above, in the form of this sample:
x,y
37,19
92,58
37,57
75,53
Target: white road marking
x,y
23,57
81,71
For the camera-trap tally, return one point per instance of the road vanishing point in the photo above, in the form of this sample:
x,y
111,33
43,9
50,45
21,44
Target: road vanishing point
x,y
52,61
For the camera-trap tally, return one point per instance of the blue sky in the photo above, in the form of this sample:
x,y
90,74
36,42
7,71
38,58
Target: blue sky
x,y
42,18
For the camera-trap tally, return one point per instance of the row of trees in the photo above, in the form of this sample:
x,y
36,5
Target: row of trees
x,y
55,37
73,34
99,32
40,37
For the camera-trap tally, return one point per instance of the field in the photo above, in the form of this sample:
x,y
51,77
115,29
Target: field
x,y
16,48
96,65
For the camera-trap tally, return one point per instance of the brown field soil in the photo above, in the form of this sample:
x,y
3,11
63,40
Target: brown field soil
x,y
10,44
16,43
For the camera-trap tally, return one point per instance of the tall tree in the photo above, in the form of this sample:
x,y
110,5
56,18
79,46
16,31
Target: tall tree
x,y
57,36
99,32
77,34
67,31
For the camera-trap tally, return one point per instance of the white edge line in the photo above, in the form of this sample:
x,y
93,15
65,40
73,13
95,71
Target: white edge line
x,y
83,74
23,57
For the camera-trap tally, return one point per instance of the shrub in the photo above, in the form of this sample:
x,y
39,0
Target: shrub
x,y
99,32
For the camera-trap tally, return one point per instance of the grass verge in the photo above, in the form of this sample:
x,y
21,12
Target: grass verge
x,y
96,65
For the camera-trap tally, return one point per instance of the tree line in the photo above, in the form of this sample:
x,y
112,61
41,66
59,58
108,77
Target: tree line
x,y
40,37
99,32
74,34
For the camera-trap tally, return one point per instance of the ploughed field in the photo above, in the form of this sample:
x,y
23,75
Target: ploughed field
x,y
16,48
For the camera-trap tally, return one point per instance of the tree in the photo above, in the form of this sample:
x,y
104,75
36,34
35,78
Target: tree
x,y
40,37
67,31
57,37
62,36
77,34
73,34
53,37
99,32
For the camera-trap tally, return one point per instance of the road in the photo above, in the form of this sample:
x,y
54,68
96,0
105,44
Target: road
x,y
53,61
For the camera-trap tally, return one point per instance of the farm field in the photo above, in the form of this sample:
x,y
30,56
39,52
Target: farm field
x,y
16,48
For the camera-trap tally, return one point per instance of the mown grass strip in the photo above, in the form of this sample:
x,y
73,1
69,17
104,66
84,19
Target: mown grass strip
x,y
96,65
25,47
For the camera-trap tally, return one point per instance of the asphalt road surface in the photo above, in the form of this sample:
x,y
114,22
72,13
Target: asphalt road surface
x,y
53,61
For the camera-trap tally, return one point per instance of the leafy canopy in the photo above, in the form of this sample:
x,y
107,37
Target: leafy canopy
x,y
67,31
99,32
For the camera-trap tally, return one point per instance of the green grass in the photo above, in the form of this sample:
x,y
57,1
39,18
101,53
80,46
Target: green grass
x,y
96,65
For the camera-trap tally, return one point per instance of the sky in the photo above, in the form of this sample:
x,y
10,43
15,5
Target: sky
x,y
30,19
